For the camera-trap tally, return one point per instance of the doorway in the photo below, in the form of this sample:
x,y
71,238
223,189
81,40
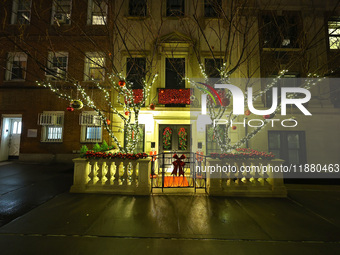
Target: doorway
x,y
175,164
176,138
10,137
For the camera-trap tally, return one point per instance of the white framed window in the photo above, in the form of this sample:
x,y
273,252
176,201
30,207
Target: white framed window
x,y
16,66
52,123
334,33
91,127
21,12
97,12
94,66
57,65
61,12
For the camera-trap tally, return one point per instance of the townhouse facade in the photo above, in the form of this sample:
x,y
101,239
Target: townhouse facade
x,y
67,42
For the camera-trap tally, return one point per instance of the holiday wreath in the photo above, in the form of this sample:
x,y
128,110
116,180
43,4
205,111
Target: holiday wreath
x,y
167,133
182,139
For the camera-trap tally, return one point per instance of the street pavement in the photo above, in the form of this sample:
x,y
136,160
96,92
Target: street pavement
x,y
306,222
24,186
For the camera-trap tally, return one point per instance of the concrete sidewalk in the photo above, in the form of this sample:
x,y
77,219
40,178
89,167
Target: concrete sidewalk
x,y
307,222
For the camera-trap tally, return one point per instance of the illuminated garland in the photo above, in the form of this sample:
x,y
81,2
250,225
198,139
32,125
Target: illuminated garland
x,y
243,153
104,155
223,140
132,104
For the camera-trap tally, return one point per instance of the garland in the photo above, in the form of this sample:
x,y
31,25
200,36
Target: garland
x,y
174,96
219,129
104,155
167,138
182,139
243,153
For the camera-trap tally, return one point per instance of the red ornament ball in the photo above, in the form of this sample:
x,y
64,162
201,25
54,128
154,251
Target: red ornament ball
x,y
126,113
233,127
108,121
152,106
225,101
70,109
247,113
266,116
121,83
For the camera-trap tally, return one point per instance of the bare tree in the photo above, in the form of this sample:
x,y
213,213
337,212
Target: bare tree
x,y
103,47
225,46
246,35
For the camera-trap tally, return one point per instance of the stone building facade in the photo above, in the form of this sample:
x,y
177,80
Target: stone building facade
x,y
269,37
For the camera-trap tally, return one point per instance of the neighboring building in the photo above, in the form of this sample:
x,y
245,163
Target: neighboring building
x,y
54,40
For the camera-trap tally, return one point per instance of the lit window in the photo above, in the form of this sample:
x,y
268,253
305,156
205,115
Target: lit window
x,y
212,8
94,67
57,65
97,12
334,33
91,127
61,12
52,126
16,66
54,133
175,8
93,133
137,8
21,12
19,127
16,127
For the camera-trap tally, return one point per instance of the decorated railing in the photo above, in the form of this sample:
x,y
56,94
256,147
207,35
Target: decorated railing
x,y
112,175
174,96
249,173
245,177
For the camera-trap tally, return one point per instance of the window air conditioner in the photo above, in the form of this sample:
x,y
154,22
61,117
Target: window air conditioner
x,y
87,119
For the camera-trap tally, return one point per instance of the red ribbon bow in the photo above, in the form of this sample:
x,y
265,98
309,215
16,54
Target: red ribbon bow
x,y
178,165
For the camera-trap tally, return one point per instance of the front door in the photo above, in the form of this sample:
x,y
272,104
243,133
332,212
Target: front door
x,y
14,137
10,137
174,138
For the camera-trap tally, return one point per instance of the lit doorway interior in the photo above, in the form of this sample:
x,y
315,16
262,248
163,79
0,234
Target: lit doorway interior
x,y
10,137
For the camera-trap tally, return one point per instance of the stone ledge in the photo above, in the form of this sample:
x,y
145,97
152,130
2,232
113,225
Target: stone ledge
x,y
39,157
